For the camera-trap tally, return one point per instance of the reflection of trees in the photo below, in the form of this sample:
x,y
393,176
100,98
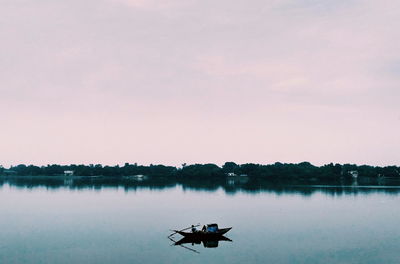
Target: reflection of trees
x,y
211,172
252,186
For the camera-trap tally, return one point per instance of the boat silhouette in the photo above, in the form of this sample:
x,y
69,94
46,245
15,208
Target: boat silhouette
x,y
209,231
209,236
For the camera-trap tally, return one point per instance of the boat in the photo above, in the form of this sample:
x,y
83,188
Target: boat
x,y
209,231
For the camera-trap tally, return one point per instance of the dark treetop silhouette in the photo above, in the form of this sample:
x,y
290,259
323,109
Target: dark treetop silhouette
x,y
276,171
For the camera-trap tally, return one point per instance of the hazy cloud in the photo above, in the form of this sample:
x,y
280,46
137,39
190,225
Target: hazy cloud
x,y
121,80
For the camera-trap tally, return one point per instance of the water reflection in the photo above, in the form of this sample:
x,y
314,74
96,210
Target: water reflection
x,y
251,186
207,243
75,224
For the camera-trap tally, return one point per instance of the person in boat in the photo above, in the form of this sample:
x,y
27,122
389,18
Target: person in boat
x,y
194,230
204,229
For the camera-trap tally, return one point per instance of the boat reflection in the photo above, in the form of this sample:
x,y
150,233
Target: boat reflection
x,y
207,243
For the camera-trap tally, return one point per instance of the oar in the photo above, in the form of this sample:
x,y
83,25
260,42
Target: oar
x,y
175,231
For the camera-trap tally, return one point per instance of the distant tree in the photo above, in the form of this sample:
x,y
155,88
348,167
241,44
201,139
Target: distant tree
x,y
53,169
229,167
98,169
34,170
201,171
390,172
250,169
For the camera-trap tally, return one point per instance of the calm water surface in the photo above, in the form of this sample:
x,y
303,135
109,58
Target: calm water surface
x,y
39,224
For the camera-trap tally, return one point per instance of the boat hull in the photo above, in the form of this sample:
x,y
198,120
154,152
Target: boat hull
x,y
204,235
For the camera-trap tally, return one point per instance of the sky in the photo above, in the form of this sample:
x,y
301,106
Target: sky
x,y
199,81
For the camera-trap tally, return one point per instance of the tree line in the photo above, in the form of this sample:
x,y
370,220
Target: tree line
x,y
303,170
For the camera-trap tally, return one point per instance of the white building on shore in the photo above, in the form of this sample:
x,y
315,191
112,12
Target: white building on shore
x,y
68,173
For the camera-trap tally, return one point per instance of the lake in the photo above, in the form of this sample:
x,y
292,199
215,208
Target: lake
x,y
65,220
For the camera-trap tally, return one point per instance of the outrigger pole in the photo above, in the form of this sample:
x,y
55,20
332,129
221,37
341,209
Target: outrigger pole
x,y
176,231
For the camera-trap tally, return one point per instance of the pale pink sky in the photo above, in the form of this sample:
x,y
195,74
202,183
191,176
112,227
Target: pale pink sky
x,y
167,81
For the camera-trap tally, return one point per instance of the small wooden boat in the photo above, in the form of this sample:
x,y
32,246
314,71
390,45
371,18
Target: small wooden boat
x,y
211,230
